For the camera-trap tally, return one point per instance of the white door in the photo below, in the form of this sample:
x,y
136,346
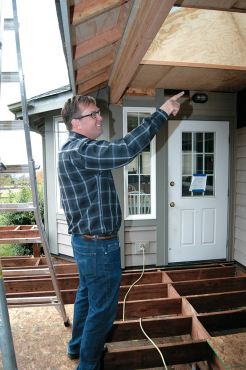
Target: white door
x,y
197,222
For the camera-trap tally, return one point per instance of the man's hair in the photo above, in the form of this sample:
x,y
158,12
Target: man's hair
x,y
71,108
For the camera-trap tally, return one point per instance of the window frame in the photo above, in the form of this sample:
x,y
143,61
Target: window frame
x,y
152,215
57,121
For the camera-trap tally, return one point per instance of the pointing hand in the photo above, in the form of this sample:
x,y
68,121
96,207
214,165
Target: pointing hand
x,y
171,106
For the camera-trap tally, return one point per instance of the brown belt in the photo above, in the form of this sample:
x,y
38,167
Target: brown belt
x,y
99,237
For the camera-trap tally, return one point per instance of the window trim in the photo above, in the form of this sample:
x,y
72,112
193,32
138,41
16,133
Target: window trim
x,y
57,120
152,215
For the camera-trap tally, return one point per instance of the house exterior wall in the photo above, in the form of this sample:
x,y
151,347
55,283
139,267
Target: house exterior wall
x,y
240,197
220,106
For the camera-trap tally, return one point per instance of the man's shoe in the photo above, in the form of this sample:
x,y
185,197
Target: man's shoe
x,y
73,356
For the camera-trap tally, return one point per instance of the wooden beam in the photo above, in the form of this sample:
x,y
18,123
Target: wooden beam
x,y
147,278
20,262
148,357
225,5
68,295
218,301
144,291
149,307
221,321
193,65
145,20
155,327
203,273
195,287
85,72
41,284
87,9
97,42
134,91
92,83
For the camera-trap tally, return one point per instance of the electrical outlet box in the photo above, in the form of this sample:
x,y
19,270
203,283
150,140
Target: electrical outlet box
x,y
139,245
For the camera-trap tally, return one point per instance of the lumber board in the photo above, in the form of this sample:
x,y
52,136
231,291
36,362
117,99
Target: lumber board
x,y
202,273
147,278
220,321
68,295
147,356
42,284
155,327
61,269
210,286
150,307
145,291
20,262
218,301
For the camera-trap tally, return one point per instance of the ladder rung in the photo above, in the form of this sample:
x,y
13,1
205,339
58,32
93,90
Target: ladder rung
x,y
10,77
16,207
26,272
12,125
33,300
20,240
9,24
15,168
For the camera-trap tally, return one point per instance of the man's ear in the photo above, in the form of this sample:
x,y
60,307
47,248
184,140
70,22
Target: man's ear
x,y
74,124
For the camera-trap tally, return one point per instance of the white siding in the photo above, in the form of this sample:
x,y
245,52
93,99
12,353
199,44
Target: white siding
x,y
63,239
240,199
140,234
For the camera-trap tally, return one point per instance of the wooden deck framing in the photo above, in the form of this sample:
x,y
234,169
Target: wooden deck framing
x,y
181,309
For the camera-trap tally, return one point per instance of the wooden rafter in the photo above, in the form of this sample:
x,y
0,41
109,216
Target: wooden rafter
x,y
91,69
98,80
97,42
87,9
144,23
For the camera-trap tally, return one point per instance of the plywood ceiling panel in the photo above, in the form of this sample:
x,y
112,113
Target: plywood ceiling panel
x,y
201,36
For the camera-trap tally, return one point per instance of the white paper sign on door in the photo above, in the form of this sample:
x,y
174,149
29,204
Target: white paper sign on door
x,y
198,183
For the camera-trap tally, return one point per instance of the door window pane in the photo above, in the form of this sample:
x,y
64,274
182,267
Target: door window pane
x,y
198,163
209,163
198,142
198,158
187,142
187,164
210,186
209,142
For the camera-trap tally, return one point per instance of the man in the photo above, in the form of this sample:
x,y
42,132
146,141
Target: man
x,y
93,215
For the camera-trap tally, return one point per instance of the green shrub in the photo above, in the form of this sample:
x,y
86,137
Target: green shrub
x,y
7,250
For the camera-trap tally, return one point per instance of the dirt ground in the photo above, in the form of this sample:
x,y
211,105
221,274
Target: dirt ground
x,y
40,338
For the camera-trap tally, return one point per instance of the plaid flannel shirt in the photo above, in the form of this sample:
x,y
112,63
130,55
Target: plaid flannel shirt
x,y
88,193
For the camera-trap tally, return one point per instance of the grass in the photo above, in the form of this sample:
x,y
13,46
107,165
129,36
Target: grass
x,y
7,250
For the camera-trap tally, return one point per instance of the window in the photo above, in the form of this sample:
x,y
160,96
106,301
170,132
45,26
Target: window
x,y
139,175
61,135
198,157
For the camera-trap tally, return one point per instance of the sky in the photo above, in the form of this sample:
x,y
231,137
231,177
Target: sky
x,y
44,68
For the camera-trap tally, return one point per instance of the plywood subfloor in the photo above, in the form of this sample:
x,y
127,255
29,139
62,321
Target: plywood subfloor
x,y
40,338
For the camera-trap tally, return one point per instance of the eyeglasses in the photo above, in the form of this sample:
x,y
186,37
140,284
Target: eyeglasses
x,y
92,115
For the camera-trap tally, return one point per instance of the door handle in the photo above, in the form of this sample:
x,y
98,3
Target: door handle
x,y
172,204
172,183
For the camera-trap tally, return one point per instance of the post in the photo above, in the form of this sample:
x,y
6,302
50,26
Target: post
x,y
6,339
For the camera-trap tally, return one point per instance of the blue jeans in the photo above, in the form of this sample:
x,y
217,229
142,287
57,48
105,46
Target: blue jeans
x,y
96,301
